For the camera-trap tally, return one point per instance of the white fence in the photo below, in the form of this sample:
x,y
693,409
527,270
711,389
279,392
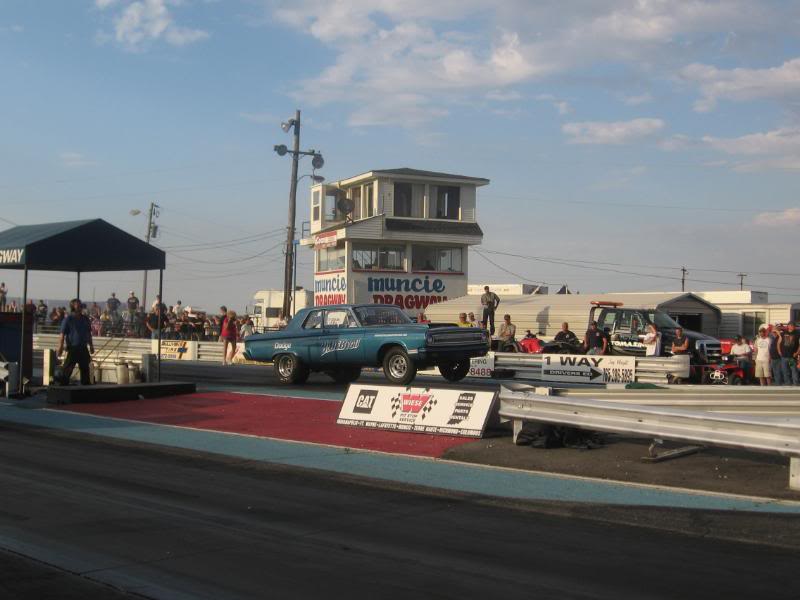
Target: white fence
x,y
112,350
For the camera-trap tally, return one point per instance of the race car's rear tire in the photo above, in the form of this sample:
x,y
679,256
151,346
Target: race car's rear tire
x,y
345,374
289,369
398,367
455,371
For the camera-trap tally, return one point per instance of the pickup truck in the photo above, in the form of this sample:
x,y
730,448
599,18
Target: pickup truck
x,y
342,339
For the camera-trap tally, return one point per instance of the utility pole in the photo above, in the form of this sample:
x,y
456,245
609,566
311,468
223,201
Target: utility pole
x,y
684,273
151,215
741,277
288,271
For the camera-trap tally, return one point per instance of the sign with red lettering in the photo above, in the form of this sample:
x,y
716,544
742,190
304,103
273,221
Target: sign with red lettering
x,y
325,240
420,410
330,289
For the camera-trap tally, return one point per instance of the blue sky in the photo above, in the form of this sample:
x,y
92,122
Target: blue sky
x,y
642,135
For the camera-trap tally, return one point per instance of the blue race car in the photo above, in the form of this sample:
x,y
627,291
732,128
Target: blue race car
x,y
340,340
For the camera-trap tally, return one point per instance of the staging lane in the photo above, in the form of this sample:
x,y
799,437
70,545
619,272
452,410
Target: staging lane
x,y
178,524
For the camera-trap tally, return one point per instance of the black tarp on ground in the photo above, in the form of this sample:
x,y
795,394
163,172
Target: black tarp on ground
x,y
78,246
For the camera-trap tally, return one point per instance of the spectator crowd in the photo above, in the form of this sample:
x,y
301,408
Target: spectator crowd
x,y
131,319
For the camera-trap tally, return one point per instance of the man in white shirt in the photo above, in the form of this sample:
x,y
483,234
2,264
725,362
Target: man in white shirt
x,y
762,344
742,353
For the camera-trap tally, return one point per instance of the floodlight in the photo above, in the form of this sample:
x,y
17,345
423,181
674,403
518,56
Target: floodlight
x,y
281,149
318,178
317,162
135,211
287,125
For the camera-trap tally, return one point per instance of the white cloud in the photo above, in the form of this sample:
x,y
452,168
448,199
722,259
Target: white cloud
x,y
612,132
382,45
784,218
779,141
743,84
777,150
75,160
144,21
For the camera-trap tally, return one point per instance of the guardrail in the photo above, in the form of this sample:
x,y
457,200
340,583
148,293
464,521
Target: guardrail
x,y
731,399
776,435
660,370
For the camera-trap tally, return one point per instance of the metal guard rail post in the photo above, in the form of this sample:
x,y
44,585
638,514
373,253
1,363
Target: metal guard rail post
x,y
775,435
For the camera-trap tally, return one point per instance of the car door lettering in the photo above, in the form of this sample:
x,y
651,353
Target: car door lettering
x,y
340,345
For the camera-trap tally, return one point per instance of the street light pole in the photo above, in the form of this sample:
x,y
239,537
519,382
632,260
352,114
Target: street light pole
x,y
150,215
288,292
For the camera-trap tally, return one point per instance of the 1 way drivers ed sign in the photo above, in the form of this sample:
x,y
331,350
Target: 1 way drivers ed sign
x,y
419,410
571,368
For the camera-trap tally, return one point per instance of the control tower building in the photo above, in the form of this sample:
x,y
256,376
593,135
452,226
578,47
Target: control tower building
x,y
393,236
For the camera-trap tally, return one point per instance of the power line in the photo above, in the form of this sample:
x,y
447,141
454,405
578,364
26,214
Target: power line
x,y
227,262
574,264
617,264
216,245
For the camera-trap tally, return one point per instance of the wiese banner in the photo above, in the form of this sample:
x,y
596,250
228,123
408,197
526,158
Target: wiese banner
x,y
419,410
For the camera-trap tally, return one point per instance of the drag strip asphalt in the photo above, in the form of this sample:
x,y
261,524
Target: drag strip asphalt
x,y
166,523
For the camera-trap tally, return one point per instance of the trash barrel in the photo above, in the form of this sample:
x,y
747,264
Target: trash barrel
x,y
133,373
122,373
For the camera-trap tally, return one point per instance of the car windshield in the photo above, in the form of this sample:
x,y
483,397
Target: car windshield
x,y
662,320
381,315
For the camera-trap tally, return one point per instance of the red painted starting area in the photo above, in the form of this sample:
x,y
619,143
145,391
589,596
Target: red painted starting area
x,y
279,417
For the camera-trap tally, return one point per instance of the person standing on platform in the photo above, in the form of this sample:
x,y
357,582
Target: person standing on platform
x,y
775,354
652,341
490,301
76,333
3,296
112,304
788,347
763,345
229,334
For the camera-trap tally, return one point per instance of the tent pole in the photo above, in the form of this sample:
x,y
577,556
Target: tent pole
x,y
160,295
78,290
22,332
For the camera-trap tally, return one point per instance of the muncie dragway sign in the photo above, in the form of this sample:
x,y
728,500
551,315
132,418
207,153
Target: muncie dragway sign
x,y
571,368
420,410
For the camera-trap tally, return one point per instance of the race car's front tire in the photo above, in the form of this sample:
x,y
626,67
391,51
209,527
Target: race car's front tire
x,y
345,374
454,371
289,369
398,367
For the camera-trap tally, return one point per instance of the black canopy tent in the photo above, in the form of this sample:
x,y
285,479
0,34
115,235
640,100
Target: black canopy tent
x,y
81,247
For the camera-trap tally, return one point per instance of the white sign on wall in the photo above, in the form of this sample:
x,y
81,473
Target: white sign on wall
x,y
412,292
176,349
574,368
419,410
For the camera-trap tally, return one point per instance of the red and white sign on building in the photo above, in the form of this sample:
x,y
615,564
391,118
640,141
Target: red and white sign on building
x,y
325,240
419,410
